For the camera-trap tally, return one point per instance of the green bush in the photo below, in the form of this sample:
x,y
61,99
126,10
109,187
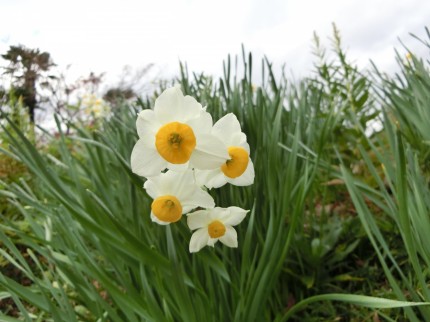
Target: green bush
x,y
91,252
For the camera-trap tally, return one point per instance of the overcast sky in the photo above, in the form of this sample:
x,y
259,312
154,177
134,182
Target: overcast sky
x,y
98,36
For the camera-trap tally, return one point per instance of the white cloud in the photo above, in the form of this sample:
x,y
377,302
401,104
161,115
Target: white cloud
x,y
105,35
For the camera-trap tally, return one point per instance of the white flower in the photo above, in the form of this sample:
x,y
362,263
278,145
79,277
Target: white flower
x,y
175,194
213,225
175,135
94,106
239,169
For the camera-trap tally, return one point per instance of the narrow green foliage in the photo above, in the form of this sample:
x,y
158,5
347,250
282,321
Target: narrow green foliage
x,y
401,190
91,252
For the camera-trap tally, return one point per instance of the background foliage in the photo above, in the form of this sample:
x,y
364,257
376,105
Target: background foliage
x,y
339,207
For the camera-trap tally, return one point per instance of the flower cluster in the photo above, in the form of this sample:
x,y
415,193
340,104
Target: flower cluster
x,y
94,106
182,154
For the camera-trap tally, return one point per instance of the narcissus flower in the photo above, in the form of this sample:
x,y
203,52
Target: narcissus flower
x,y
238,169
213,225
175,135
175,194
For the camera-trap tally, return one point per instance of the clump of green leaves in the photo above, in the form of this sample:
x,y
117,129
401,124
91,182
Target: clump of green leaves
x,y
406,98
97,257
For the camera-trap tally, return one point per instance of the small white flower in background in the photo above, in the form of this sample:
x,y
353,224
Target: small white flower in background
x,y
94,106
239,169
175,135
175,194
214,224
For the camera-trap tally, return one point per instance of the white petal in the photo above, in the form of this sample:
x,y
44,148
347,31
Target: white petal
x,y
239,139
157,186
202,124
233,216
152,187
246,179
147,141
158,221
199,240
212,241
178,167
210,178
210,153
146,124
168,105
146,161
217,213
192,110
226,127
198,219
230,237
172,106
179,183
198,198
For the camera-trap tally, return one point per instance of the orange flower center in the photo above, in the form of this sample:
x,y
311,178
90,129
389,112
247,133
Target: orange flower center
x,y
216,229
237,164
175,142
167,208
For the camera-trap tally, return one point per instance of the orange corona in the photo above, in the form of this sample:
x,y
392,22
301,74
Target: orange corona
x,y
167,208
237,164
216,229
175,142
